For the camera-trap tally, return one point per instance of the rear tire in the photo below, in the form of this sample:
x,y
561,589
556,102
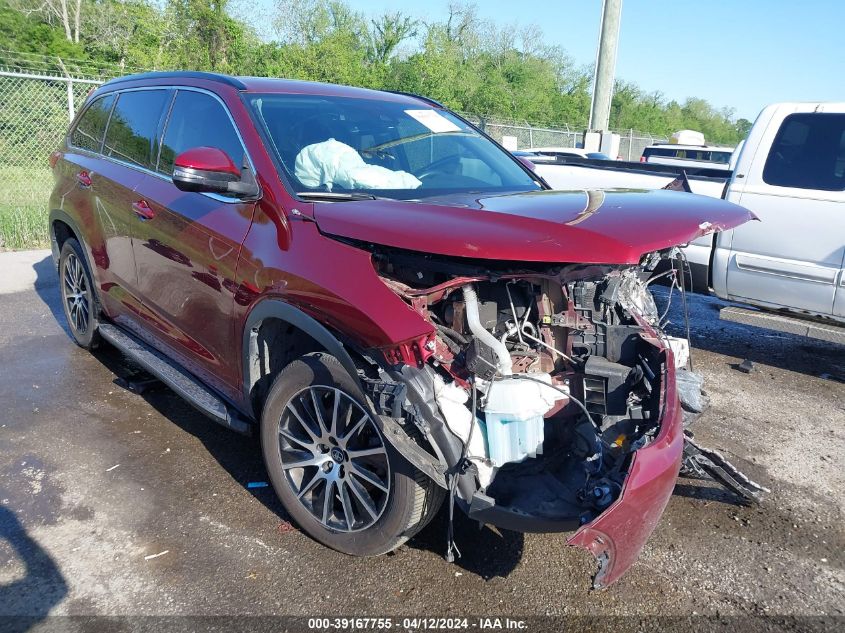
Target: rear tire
x,y
79,298
376,500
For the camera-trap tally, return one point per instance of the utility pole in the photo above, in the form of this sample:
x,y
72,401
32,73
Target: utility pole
x,y
605,65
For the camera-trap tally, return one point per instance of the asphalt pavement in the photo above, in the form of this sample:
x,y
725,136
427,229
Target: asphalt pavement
x,y
112,503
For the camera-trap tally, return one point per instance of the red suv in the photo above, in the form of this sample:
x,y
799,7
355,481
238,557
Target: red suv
x,y
400,307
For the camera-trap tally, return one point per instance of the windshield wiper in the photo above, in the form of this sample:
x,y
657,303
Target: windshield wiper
x,y
336,195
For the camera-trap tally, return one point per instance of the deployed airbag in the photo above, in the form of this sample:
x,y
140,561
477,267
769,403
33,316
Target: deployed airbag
x,y
331,163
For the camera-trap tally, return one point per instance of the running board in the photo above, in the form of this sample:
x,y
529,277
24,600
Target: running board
x,y
782,323
175,377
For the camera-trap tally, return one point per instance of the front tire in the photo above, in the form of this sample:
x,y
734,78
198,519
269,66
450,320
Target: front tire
x,y
332,469
79,299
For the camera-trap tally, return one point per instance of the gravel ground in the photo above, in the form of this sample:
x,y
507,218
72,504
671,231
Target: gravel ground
x,y
117,504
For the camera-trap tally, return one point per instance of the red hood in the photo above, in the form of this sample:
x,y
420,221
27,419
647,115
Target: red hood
x,y
612,227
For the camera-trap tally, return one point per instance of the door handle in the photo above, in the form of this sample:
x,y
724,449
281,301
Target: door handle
x,y
142,210
84,179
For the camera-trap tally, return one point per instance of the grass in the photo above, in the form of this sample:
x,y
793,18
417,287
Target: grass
x,y
24,195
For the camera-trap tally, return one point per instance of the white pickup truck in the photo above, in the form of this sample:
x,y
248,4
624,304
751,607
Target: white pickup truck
x,y
791,173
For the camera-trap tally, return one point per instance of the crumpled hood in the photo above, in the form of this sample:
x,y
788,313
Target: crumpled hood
x,y
596,227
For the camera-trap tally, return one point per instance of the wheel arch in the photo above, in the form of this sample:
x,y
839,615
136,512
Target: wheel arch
x,y
270,319
62,227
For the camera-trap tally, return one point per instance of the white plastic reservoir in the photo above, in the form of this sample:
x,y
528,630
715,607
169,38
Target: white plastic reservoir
x,y
514,417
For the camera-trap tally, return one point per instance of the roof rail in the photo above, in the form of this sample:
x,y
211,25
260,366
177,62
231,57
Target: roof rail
x,y
416,96
181,74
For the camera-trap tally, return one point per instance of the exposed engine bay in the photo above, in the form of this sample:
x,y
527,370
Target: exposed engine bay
x,y
549,378
540,394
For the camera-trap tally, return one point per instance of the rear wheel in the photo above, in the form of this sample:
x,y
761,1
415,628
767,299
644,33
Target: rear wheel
x,y
78,297
336,475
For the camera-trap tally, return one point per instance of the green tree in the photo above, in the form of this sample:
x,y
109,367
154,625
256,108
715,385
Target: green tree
x,y
469,64
388,32
212,40
66,13
28,32
743,127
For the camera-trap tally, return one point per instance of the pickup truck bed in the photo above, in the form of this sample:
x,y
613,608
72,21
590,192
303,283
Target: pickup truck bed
x,y
568,172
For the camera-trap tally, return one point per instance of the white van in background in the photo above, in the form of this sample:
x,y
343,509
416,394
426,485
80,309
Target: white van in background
x,y
688,155
686,148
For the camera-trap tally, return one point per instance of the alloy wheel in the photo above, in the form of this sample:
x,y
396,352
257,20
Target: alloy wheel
x,y
76,294
334,458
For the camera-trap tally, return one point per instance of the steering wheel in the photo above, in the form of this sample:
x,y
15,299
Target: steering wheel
x,y
438,166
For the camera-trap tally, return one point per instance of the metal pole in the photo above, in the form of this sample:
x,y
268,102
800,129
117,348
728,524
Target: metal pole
x,y
69,82
630,142
530,136
70,108
605,65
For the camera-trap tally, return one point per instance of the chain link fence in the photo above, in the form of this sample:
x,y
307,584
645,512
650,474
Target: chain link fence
x,y
37,105
34,114
526,135
631,142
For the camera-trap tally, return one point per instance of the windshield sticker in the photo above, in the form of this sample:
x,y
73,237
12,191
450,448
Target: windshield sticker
x,y
433,120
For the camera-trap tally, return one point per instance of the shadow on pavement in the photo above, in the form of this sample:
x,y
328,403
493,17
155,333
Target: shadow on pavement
x,y
26,601
706,490
486,552
47,288
760,346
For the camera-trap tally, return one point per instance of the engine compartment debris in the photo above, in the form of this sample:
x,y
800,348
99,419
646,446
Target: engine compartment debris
x,y
568,374
546,381
705,463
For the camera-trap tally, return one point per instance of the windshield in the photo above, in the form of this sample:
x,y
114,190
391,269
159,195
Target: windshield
x,y
369,147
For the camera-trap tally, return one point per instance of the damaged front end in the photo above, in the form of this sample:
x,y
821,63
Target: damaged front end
x,y
545,396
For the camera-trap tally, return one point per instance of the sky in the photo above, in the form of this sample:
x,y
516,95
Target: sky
x,y
741,54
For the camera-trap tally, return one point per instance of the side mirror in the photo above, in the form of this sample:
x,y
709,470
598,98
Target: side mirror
x,y
211,170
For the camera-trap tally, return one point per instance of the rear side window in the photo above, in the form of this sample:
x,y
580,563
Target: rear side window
x,y
198,120
133,126
706,156
659,151
88,133
808,153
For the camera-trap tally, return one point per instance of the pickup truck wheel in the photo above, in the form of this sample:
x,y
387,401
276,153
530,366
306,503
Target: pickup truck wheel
x,y
337,477
78,296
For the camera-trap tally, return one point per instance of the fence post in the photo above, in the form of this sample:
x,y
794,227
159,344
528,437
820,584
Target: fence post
x,y
630,142
69,82
530,135
70,108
